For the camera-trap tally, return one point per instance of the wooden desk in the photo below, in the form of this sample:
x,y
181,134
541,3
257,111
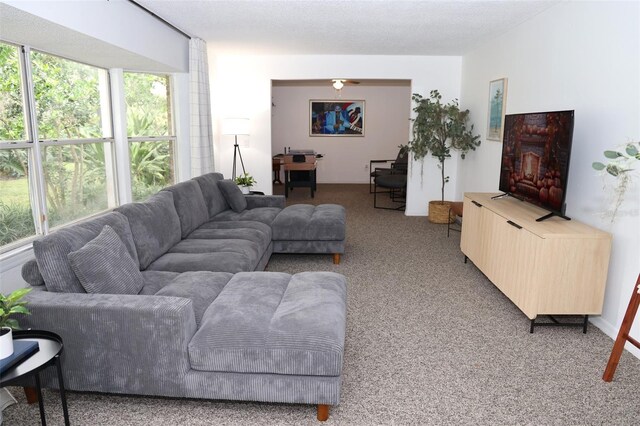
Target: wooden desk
x,y
299,173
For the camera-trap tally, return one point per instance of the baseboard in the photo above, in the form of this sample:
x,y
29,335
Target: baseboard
x,y
612,332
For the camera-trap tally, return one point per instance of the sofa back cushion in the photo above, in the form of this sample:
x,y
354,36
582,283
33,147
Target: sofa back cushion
x,y
213,197
155,226
104,266
190,205
233,195
51,251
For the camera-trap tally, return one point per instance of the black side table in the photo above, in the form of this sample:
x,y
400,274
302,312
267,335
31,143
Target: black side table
x,y
49,354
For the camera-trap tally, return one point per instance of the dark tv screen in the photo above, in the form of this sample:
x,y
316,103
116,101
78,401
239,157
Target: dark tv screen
x,y
535,157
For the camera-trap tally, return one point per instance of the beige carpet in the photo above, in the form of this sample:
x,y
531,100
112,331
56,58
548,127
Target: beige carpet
x,y
429,341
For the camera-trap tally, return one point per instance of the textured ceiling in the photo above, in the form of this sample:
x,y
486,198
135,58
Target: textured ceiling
x,y
371,27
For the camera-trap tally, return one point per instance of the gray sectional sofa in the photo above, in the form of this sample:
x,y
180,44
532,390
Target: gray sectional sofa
x,y
167,298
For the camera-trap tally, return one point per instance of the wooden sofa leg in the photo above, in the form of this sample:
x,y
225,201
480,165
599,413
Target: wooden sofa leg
x,y
31,394
336,258
323,412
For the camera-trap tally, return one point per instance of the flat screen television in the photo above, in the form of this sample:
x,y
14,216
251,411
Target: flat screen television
x,y
536,150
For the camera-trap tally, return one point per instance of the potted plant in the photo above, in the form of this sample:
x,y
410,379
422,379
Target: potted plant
x,y
245,182
9,305
619,166
438,129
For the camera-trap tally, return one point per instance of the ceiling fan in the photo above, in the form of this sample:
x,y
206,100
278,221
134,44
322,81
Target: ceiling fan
x,y
339,83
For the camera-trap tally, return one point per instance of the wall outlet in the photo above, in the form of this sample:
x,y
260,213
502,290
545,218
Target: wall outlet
x,y
366,166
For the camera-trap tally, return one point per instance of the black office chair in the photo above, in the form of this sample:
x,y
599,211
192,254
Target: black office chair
x,y
397,167
396,187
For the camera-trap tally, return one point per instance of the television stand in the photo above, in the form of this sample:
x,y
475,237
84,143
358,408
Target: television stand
x,y
555,323
551,214
554,267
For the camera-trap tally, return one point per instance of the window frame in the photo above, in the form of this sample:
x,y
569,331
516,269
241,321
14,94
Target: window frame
x,y
35,145
171,129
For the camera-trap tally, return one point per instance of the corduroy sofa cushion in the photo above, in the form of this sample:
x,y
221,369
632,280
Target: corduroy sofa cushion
x,y
190,205
192,254
104,266
51,251
155,226
265,215
233,195
269,322
31,274
257,232
325,222
200,287
213,197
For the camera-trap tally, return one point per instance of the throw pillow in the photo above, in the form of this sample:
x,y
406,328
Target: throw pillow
x,y
233,195
51,250
105,266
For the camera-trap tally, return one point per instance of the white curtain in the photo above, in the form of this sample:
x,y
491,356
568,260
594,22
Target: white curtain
x,y
201,133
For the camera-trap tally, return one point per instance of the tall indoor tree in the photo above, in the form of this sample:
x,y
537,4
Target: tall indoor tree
x,y
438,129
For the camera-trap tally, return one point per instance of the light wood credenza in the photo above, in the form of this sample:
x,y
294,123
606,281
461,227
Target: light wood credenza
x,y
553,267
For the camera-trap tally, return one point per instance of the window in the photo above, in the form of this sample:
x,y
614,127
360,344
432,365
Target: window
x,y
56,164
74,129
150,133
57,157
16,212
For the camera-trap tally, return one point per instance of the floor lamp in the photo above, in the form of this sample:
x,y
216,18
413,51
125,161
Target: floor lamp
x,y
235,127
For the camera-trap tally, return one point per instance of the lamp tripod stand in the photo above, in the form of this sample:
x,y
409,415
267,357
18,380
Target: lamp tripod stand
x,y
236,152
235,127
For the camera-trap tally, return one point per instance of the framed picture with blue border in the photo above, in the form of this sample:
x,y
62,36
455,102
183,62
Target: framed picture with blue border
x,y
497,105
336,118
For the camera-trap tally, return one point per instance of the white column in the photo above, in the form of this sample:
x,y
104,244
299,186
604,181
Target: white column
x,y
109,163
123,167
181,120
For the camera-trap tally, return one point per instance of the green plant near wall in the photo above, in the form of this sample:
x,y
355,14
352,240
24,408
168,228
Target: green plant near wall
x,y
438,129
620,166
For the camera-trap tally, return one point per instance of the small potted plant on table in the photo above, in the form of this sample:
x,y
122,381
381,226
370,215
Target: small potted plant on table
x,y
245,182
9,305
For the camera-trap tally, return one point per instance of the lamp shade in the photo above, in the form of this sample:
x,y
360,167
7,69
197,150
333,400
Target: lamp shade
x,y
235,126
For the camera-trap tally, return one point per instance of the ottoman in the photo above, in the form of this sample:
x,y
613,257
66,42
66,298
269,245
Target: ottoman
x,y
305,228
272,337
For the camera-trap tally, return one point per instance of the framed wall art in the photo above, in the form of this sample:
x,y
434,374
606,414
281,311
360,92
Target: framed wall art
x,y
336,118
497,105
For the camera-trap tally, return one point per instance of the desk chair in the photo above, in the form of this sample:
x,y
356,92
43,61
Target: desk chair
x,y
397,166
397,189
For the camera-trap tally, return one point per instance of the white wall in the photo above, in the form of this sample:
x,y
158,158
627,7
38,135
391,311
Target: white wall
x,y
346,159
241,87
582,56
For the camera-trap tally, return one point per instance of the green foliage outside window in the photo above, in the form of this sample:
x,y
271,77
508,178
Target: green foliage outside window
x,y
67,96
12,126
149,114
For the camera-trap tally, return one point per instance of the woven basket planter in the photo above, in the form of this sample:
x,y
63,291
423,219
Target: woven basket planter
x,y
439,212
